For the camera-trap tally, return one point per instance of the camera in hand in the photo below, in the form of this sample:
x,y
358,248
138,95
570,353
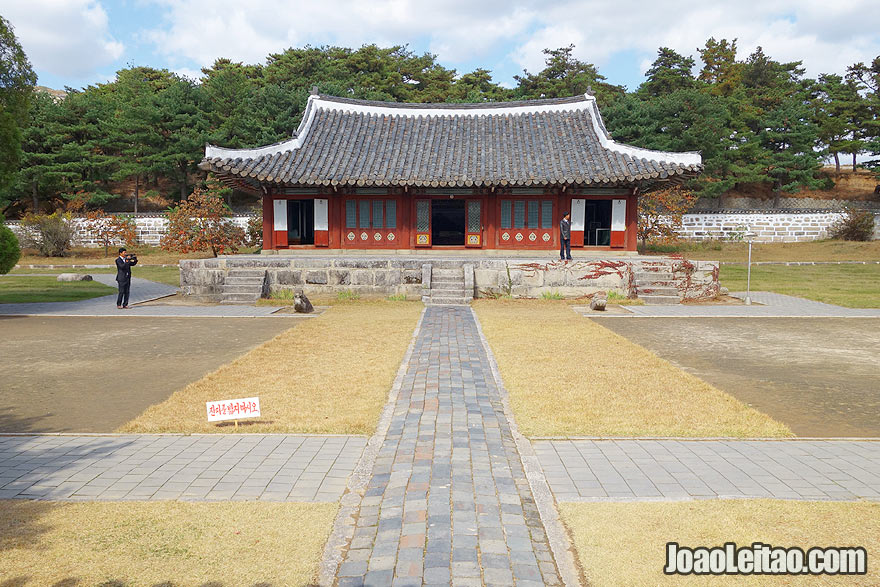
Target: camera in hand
x,y
131,257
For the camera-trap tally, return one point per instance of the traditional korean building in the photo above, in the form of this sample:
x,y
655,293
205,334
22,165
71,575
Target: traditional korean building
x,y
378,175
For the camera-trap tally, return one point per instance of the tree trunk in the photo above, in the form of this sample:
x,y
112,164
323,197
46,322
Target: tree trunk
x,y
183,181
837,161
35,200
854,162
137,189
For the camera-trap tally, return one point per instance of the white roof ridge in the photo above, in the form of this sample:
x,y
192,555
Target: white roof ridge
x,y
317,102
679,157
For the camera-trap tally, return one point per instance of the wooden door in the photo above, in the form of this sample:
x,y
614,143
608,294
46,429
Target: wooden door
x,y
474,224
423,223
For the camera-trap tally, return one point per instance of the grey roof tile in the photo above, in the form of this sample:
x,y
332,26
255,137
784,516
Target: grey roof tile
x,y
534,143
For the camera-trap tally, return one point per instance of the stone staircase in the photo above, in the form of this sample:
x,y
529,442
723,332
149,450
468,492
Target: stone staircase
x,y
656,288
243,286
449,286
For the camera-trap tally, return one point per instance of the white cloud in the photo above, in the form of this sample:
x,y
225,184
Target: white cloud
x,y
826,37
457,30
67,38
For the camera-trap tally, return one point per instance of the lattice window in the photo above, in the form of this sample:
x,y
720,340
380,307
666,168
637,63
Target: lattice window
x,y
533,214
506,207
546,214
365,213
519,214
473,216
350,214
423,215
390,214
377,213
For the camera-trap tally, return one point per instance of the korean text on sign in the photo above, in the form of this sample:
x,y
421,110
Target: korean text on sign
x,y
233,409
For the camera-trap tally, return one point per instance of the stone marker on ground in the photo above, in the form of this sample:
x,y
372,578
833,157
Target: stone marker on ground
x,y
598,301
302,304
74,277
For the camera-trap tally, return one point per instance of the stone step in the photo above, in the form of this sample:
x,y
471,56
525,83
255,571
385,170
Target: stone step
x,y
446,286
652,300
244,281
657,291
243,288
653,276
447,274
245,298
434,301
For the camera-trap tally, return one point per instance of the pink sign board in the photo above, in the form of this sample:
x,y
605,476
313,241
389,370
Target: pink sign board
x,y
233,409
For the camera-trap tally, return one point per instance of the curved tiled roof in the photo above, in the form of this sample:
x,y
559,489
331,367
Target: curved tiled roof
x,y
345,142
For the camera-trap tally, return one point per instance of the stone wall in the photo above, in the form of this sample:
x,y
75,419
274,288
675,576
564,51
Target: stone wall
x,y
775,226
204,278
150,230
789,204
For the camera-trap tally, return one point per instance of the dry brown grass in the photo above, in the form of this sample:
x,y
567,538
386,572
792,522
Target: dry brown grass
x,y
568,376
167,543
328,375
625,543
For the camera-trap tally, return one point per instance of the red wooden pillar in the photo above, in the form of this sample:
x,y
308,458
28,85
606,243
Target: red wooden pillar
x,y
632,222
268,241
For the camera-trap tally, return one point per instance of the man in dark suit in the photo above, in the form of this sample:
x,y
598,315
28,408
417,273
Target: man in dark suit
x,y
123,277
565,237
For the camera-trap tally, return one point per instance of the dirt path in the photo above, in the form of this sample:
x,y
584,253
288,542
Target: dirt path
x,y
94,374
818,375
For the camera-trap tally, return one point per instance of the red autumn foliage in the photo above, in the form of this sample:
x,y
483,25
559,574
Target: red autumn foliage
x,y
203,223
660,213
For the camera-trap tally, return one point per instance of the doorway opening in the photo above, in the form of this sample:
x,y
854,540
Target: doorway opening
x,y
300,222
597,223
447,222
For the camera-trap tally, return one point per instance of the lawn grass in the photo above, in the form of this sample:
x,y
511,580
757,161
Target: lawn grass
x,y
167,275
625,543
852,286
162,543
328,375
24,289
569,376
824,250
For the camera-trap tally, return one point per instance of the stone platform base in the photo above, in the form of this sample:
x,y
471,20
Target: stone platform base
x,y
671,279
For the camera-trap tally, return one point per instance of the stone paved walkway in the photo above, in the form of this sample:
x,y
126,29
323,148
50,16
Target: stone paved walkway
x,y
766,304
190,468
142,290
448,499
619,470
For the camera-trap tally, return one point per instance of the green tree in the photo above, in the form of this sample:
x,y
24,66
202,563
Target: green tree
x,y
17,81
866,78
10,252
670,72
720,71
839,109
565,76
182,126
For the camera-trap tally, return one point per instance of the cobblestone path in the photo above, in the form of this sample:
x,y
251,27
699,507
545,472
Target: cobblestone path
x,y
448,501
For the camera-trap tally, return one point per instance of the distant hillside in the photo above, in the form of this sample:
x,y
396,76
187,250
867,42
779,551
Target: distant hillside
x,y
57,94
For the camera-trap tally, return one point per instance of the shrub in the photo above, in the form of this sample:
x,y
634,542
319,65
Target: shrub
x,y
856,225
51,234
254,232
109,229
660,213
397,298
10,252
347,296
203,222
552,295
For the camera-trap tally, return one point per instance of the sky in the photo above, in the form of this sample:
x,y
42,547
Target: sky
x,y
76,43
